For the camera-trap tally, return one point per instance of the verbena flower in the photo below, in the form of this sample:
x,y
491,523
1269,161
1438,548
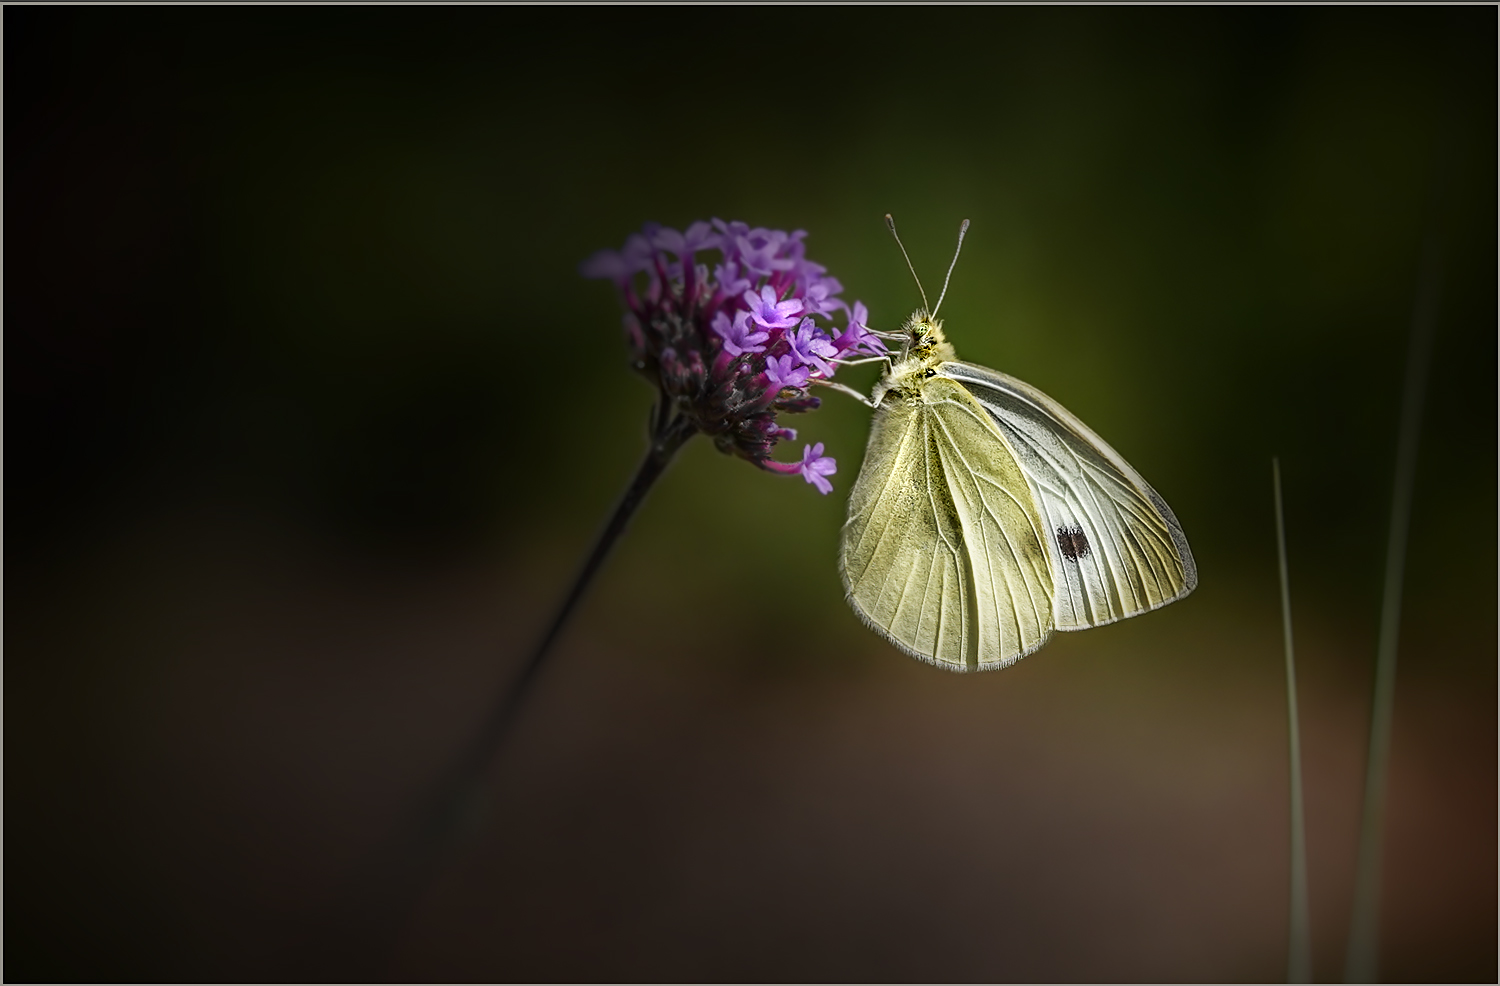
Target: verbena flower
x,y
734,341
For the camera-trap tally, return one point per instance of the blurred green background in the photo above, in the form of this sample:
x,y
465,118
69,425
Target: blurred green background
x,y
311,419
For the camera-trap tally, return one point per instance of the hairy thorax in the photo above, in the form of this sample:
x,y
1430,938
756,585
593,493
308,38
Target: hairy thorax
x,y
923,351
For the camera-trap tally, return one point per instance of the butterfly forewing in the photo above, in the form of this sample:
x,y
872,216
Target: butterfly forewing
x,y
1115,546
902,554
944,551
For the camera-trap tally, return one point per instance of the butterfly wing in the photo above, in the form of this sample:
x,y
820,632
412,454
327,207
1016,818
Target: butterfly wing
x,y
943,552
1116,548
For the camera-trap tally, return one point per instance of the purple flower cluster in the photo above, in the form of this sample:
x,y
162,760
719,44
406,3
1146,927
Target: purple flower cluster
x,y
732,344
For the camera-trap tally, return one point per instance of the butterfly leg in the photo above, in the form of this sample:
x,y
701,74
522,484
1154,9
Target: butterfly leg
x,y
850,391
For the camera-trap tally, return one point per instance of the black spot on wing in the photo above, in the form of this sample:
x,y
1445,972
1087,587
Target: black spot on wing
x,y
1072,542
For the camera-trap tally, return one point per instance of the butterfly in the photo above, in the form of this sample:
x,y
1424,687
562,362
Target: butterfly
x,y
986,515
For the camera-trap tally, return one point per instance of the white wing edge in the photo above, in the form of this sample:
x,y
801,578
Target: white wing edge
x,y
962,372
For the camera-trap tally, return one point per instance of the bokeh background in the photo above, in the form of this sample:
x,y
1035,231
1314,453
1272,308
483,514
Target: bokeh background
x,y
311,419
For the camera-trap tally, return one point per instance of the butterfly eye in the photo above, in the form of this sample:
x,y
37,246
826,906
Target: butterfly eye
x,y
930,373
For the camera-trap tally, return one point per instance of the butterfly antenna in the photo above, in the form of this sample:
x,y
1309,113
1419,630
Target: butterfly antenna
x,y
961,231
892,224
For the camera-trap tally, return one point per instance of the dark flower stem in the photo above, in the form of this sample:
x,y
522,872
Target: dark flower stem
x,y
384,897
464,804
670,436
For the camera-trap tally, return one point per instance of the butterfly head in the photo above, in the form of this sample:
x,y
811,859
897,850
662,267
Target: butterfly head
x,y
925,340
924,349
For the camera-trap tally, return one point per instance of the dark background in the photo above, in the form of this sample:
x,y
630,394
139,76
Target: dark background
x,y
310,419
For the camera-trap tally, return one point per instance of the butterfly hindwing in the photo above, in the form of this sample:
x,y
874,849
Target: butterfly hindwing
x,y
944,551
1115,546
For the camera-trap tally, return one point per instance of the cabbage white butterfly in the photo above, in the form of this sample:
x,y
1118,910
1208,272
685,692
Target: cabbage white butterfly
x,y
986,515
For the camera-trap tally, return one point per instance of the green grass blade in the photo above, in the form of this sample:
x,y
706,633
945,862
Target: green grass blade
x,y
1361,963
1299,934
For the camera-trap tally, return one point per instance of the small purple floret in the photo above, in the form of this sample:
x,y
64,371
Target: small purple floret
x,y
815,466
730,281
784,371
738,339
812,347
857,339
699,236
761,251
822,295
770,313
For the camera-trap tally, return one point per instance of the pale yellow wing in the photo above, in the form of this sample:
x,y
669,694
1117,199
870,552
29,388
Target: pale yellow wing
x,y
943,553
